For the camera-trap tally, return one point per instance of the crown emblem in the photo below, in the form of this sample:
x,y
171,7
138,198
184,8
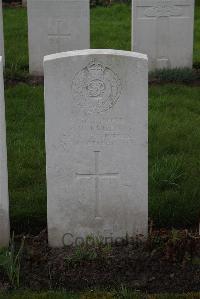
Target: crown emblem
x,y
96,69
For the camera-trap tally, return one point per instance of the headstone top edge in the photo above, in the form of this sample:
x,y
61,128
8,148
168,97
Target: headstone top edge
x,y
76,53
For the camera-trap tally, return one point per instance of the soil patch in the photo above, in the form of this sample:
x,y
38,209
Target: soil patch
x,y
30,80
168,262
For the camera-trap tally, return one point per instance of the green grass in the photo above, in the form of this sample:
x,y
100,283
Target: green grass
x,y
196,58
111,27
174,156
96,295
174,167
16,41
26,157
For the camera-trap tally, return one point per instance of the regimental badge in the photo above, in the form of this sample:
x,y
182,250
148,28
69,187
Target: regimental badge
x,y
96,87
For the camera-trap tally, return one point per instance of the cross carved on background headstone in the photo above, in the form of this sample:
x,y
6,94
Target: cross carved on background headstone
x,y
58,36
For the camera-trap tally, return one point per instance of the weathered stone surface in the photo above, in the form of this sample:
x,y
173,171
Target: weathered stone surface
x,y
4,201
56,26
96,104
1,33
163,29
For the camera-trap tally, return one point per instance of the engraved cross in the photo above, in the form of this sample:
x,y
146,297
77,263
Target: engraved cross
x,y
58,36
97,175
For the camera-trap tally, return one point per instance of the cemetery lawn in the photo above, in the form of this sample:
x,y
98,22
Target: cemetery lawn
x,y
174,185
174,179
110,28
197,35
174,156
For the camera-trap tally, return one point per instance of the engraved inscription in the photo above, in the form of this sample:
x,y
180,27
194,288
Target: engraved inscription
x,y
96,87
164,9
97,176
56,35
104,131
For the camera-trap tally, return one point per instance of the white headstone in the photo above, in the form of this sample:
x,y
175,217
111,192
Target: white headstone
x,y
4,202
56,26
96,106
163,29
1,33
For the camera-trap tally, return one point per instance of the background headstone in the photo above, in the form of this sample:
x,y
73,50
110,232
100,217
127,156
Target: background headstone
x,y
163,29
96,104
24,3
56,26
4,201
1,33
